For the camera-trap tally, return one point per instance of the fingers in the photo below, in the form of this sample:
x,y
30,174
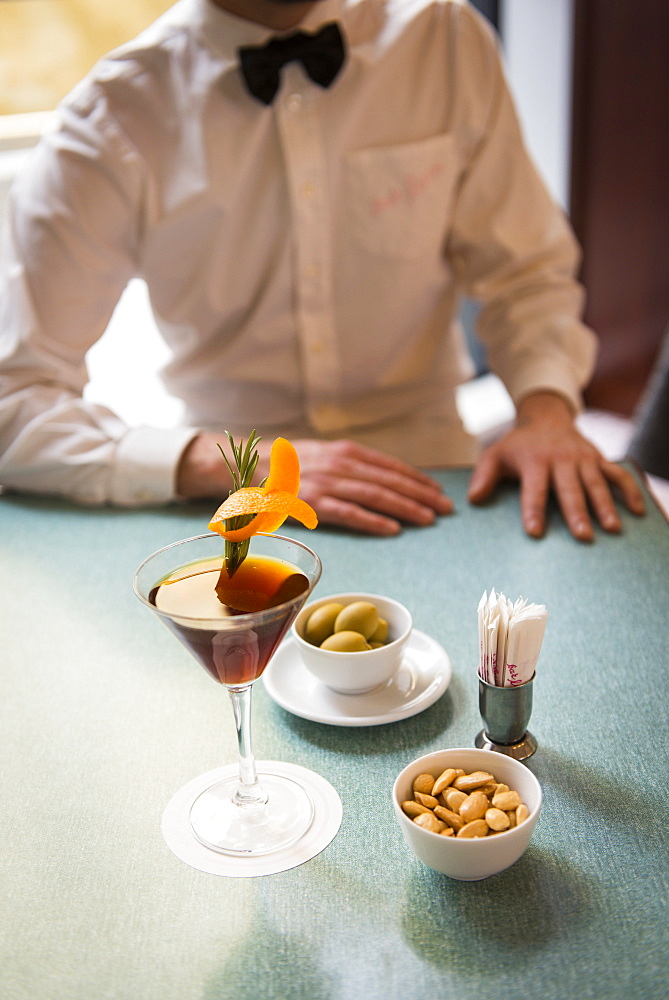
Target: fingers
x,y
587,486
344,514
388,477
598,482
626,483
350,485
366,506
370,457
578,475
599,494
388,490
487,473
534,490
383,500
572,499
583,490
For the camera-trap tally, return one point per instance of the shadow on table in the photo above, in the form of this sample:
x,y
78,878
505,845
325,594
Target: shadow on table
x,y
270,963
405,734
517,912
600,793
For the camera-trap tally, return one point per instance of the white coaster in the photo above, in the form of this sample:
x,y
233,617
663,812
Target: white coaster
x,y
181,840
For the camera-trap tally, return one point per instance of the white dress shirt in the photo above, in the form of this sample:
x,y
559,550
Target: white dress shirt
x,y
304,260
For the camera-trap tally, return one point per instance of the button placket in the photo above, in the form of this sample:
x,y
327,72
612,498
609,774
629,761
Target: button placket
x,y
299,130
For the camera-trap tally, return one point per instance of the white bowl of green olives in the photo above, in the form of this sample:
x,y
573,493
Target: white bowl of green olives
x,y
352,643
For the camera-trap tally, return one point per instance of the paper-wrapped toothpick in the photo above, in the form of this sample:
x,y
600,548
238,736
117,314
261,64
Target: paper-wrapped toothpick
x,y
510,637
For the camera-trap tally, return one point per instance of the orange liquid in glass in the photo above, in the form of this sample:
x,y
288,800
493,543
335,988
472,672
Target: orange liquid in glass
x,y
228,624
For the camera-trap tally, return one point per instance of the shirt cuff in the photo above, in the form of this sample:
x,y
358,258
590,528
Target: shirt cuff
x,y
145,466
554,380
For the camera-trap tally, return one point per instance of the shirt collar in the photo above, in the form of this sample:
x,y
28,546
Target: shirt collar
x,y
225,33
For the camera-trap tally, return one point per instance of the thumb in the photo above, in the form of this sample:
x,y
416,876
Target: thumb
x,y
487,473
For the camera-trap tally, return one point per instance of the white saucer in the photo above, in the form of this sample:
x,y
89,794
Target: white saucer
x,y
423,677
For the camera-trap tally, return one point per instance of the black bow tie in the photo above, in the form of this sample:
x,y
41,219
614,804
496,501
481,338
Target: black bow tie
x,y
321,54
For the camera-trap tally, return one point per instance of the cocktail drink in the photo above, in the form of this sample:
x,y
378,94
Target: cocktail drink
x,y
232,624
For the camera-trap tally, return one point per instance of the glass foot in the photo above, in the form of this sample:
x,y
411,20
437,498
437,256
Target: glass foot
x,y
521,750
252,829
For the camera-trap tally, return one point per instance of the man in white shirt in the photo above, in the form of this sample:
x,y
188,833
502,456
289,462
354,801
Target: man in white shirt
x,y
305,248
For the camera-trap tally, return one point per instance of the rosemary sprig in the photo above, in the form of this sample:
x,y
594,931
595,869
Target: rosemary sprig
x,y
245,462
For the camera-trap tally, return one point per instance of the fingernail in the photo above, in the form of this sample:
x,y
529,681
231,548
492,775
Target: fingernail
x,y
392,528
426,517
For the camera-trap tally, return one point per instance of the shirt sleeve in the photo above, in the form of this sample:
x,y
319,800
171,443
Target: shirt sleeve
x,y
68,250
511,244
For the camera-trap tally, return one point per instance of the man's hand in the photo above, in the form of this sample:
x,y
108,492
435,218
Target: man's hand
x,y
347,484
545,451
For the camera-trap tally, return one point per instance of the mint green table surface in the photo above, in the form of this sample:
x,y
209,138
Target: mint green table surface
x,y
104,716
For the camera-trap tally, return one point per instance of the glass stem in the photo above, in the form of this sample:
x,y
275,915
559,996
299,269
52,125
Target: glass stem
x,y
249,791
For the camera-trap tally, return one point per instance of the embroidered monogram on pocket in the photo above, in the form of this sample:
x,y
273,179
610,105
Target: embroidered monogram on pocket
x,y
398,198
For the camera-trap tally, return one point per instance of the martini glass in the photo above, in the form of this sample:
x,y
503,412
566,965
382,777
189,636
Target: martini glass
x,y
246,814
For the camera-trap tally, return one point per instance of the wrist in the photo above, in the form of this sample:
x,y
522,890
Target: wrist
x,y
201,471
545,406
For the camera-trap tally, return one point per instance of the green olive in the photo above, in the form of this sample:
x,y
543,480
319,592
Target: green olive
x,y
320,623
345,642
361,616
380,633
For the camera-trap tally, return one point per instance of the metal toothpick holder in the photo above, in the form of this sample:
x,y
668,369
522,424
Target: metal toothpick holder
x,y
506,713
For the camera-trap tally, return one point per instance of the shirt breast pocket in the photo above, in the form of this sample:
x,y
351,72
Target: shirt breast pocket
x,y
399,198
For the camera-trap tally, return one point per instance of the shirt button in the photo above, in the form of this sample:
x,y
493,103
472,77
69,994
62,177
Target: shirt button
x,y
311,271
307,190
294,102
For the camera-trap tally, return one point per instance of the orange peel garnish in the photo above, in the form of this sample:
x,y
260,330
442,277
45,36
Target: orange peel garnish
x,y
271,503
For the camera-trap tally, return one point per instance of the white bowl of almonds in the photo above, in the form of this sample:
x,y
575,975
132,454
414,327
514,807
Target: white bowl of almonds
x,y
352,643
467,813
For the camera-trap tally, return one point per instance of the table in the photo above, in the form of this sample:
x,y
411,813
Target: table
x,y
104,716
